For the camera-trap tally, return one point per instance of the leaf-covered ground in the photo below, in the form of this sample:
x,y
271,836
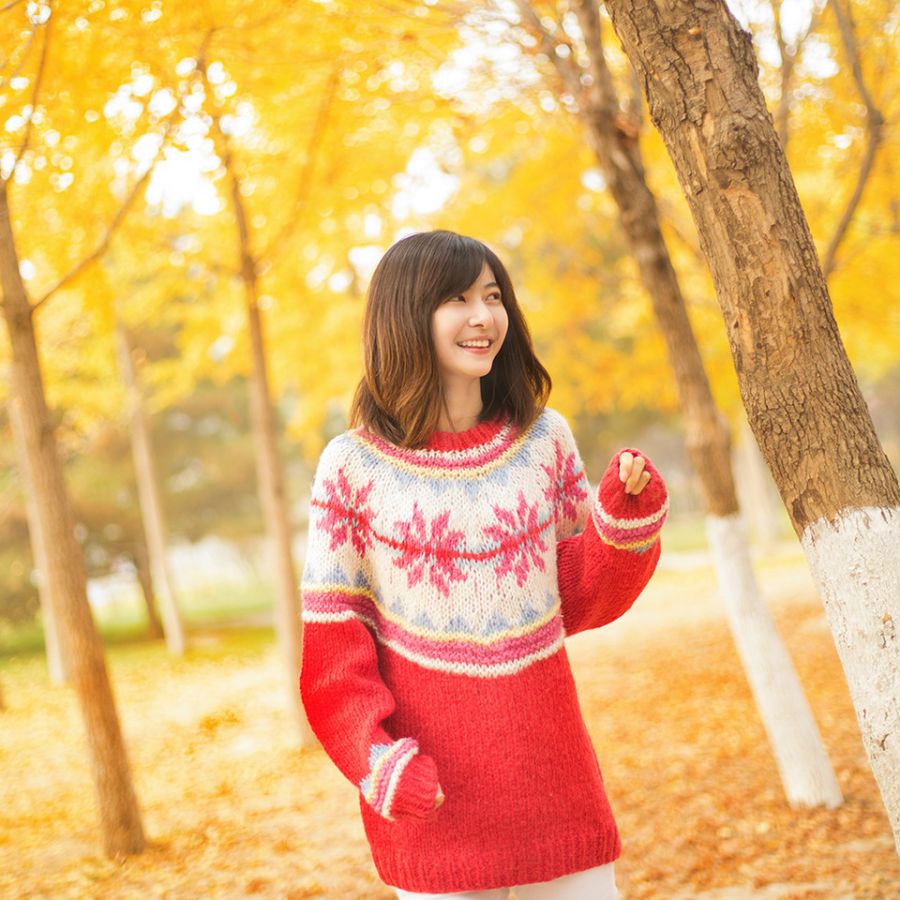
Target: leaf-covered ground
x,y
232,809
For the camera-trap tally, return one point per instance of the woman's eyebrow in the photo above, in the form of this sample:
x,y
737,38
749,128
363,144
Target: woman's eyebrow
x,y
491,284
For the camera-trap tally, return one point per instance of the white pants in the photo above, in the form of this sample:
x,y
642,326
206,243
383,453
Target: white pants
x,y
592,884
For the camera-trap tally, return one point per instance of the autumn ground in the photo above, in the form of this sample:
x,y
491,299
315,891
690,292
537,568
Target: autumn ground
x,y
232,809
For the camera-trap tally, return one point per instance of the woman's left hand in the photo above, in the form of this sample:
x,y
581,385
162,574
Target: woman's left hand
x,y
632,473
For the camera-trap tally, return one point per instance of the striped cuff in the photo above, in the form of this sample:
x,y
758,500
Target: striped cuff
x,y
387,763
626,521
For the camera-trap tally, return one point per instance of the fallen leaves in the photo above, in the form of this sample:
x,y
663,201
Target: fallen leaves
x,y
233,809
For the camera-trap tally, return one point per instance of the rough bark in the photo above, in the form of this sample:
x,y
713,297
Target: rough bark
x,y
65,576
803,403
149,497
806,773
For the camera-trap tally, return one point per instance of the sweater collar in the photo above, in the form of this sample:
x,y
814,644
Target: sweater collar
x,y
479,434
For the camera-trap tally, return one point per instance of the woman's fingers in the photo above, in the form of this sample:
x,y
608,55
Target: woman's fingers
x,y
632,472
626,460
634,476
645,480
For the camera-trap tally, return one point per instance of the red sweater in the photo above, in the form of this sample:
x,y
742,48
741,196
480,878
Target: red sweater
x,y
438,588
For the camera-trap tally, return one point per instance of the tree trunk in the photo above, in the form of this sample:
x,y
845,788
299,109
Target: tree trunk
x,y
58,667
65,576
288,623
803,403
803,764
149,496
141,560
756,491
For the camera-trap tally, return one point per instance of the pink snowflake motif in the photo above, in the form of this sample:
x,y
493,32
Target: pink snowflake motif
x,y
346,514
519,536
437,551
565,490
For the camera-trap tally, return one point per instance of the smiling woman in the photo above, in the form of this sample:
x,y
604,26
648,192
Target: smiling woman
x,y
454,543
430,293
468,331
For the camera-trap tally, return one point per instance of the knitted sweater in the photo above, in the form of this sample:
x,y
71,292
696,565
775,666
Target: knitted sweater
x,y
438,588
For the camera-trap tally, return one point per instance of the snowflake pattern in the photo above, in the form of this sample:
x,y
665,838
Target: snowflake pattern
x,y
519,535
347,515
565,490
435,549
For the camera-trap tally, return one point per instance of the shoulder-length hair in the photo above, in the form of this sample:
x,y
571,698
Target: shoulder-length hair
x,y
399,397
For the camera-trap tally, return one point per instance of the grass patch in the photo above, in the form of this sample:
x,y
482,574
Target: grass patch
x,y
124,621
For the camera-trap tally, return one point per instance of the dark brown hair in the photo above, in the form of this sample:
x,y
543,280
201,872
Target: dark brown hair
x,y
399,397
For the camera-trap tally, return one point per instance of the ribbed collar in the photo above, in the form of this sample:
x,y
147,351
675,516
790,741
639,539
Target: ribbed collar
x,y
479,434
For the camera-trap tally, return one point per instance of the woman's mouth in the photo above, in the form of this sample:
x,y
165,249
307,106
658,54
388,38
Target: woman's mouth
x,y
479,345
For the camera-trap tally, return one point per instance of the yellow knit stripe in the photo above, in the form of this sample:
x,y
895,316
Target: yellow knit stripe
x,y
424,632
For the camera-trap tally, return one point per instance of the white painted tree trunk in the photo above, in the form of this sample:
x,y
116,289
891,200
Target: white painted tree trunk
x,y
856,563
800,755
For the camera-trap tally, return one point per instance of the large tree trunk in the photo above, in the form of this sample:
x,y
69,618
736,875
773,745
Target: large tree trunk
x,y
288,623
65,576
806,773
700,78
149,496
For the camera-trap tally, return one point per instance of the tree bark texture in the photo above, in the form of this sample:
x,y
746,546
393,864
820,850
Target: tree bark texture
x,y
65,577
700,77
806,773
614,140
149,496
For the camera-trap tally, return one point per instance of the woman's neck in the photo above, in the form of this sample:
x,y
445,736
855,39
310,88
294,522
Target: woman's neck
x,y
461,406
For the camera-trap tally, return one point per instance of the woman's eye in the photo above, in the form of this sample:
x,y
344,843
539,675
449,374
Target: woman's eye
x,y
494,298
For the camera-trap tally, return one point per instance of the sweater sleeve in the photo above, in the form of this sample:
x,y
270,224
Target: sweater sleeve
x,y
345,698
604,566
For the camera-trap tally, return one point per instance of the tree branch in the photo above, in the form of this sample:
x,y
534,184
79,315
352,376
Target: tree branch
x,y
567,69
874,127
117,219
313,150
789,54
38,81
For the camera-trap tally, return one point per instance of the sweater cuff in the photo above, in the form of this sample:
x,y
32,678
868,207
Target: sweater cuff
x,y
400,782
629,521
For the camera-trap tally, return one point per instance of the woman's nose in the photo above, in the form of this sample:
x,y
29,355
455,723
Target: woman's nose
x,y
480,314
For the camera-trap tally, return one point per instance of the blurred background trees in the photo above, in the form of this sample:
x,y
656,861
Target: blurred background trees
x,y
350,124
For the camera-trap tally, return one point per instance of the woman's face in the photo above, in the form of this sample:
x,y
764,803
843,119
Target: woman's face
x,y
468,330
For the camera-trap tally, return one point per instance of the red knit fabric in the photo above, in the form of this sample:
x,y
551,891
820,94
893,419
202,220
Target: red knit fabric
x,y
438,587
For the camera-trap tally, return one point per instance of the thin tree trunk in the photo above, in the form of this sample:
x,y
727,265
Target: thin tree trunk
x,y
149,496
756,490
802,399
141,561
803,764
58,666
288,622
874,127
65,576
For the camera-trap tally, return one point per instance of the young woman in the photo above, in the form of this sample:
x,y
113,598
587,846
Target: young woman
x,y
454,542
